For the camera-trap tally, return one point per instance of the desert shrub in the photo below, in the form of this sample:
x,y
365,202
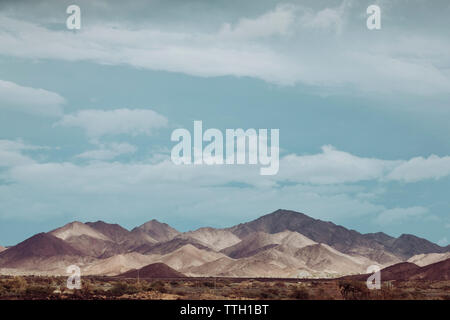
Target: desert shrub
x,y
322,294
122,288
13,286
273,291
405,295
119,289
39,290
174,283
133,288
264,295
143,286
256,294
87,287
224,283
18,285
207,284
159,286
180,293
353,290
299,294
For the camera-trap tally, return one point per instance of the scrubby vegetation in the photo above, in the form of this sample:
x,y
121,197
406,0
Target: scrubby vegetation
x,y
112,288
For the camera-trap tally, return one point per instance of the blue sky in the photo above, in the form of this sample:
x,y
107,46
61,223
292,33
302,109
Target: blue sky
x,y
86,116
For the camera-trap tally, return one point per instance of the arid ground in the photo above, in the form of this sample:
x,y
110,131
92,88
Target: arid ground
x,y
101,288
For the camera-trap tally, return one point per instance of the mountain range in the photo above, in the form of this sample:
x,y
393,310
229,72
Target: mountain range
x,y
280,244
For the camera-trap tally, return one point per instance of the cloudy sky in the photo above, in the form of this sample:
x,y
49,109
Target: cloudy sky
x,y
86,116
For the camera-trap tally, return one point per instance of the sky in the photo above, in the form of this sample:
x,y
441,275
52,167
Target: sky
x,y
86,115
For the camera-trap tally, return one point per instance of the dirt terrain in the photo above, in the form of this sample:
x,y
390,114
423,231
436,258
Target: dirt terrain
x,y
101,288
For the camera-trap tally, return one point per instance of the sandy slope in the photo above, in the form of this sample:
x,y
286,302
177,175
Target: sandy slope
x,y
2,248
188,256
283,254
227,267
316,260
181,259
271,263
118,264
429,258
215,239
258,241
322,258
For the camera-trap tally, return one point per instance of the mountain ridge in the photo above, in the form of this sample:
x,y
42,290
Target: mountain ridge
x,y
283,243
379,247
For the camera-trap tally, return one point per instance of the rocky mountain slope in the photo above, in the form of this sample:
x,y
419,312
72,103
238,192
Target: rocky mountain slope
x,y
281,244
379,247
428,258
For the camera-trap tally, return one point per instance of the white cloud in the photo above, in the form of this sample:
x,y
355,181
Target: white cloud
x,y
400,215
18,145
332,167
98,186
108,151
30,100
256,47
11,153
420,168
328,18
276,22
102,189
98,123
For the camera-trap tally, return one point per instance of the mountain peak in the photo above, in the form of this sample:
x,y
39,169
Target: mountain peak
x,y
279,212
76,229
41,245
336,236
158,230
380,237
408,245
114,232
152,223
408,236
